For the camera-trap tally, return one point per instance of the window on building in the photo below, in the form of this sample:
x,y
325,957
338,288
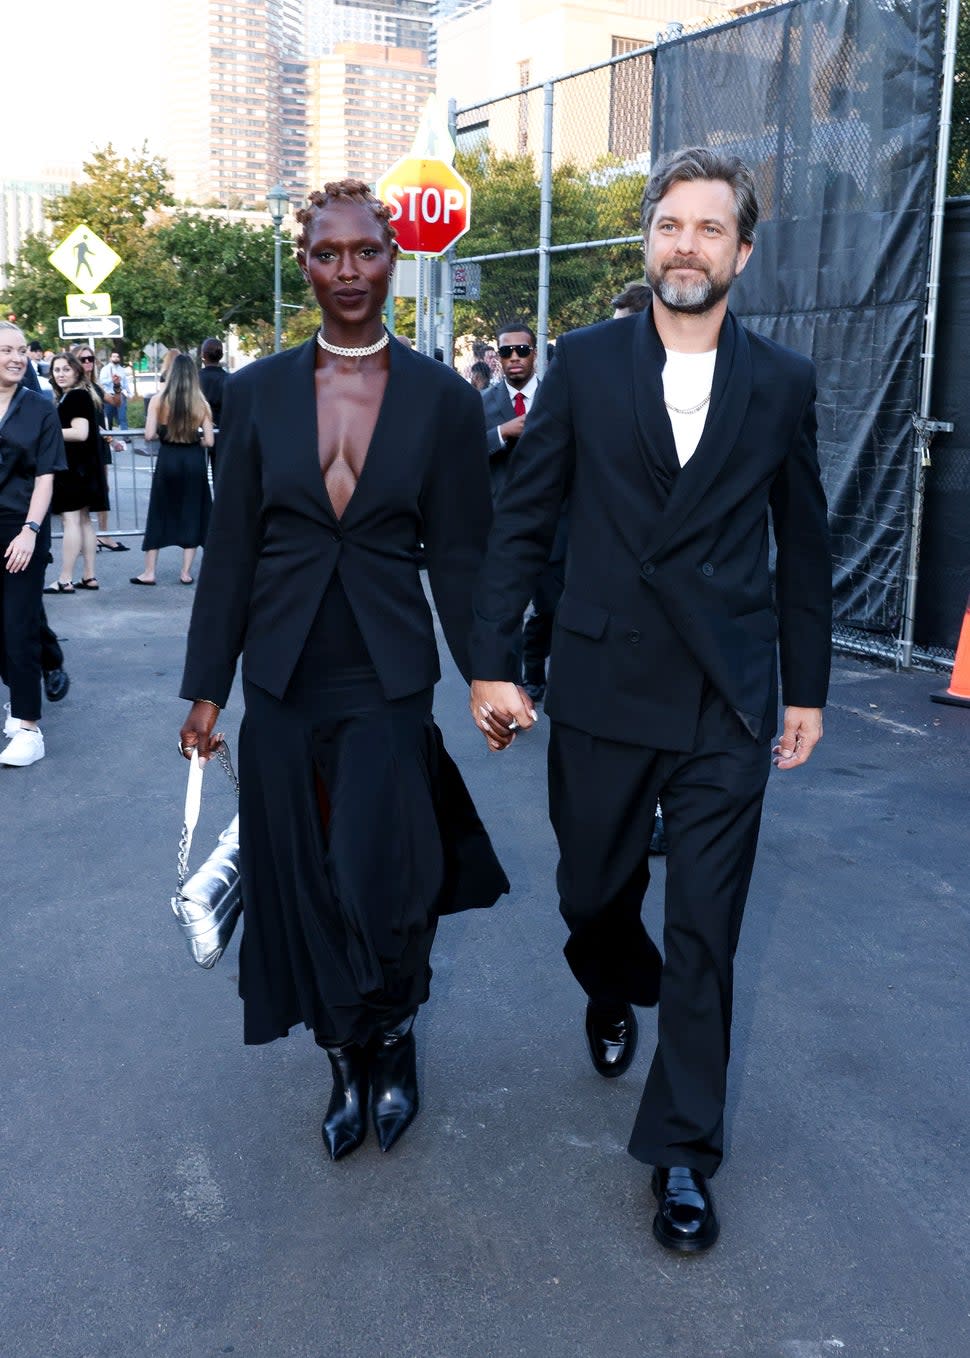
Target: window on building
x,y
630,94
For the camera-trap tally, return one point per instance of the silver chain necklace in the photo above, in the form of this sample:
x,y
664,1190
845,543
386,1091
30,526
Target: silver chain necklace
x,y
691,410
364,351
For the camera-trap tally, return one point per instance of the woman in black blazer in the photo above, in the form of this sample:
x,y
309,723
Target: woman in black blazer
x,y
337,460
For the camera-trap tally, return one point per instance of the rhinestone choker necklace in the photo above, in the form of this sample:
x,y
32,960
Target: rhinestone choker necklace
x,y
363,352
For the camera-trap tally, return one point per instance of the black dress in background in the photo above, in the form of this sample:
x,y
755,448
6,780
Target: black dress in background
x,y
180,501
213,381
84,484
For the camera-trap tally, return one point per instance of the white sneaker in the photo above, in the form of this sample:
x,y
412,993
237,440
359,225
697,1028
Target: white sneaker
x,y
11,725
25,748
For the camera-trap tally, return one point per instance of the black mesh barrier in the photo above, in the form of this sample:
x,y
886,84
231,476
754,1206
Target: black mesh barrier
x,y
944,573
834,105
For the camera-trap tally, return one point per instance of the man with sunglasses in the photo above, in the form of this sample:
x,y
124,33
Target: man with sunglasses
x,y
507,404
679,436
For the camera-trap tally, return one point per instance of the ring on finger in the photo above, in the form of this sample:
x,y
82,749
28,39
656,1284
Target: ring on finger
x,y
513,725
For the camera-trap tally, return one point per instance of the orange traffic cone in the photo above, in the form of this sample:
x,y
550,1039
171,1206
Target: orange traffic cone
x,y
959,691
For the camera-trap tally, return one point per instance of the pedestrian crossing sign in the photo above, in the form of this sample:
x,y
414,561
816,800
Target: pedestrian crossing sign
x,y
84,258
88,303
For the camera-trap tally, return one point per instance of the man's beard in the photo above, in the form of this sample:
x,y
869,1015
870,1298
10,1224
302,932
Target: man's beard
x,y
690,298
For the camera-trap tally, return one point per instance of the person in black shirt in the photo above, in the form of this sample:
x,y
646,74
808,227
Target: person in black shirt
x,y
31,450
212,380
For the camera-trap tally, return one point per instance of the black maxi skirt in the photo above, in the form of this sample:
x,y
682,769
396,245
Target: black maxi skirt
x,y
180,501
356,833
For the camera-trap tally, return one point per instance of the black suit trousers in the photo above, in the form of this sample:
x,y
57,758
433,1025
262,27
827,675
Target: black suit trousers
x,y
602,796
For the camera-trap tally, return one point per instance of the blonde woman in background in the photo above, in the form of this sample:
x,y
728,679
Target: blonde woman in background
x,y
180,503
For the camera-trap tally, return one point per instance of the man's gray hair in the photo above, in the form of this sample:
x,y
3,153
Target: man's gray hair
x,y
700,162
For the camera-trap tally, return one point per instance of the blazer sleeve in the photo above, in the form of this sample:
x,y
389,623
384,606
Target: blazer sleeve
x,y
218,625
526,519
803,571
491,401
456,510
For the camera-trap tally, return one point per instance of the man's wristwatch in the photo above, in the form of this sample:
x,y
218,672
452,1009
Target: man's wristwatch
x,y
34,527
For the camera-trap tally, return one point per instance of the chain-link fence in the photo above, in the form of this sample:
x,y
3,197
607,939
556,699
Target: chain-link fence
x,y
835,105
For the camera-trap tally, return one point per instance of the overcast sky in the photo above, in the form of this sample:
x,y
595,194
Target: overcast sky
x,y
79,76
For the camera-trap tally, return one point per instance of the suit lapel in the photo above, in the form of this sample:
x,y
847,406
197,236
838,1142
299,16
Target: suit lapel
x,y
294,430
654,434
730,394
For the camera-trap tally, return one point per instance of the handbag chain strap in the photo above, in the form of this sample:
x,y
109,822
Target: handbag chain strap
x,y
193,799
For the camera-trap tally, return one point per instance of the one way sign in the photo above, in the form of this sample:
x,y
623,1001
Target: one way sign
x,y
90,327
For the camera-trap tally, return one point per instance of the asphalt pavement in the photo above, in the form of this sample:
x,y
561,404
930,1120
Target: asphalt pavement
x,y
166,1189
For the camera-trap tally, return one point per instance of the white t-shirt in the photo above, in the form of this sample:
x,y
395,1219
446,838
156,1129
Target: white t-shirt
x,y
687,379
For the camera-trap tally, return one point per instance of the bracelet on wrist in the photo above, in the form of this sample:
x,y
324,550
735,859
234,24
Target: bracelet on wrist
x,y
217,706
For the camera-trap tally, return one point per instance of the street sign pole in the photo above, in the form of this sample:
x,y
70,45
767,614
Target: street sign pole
x,y
419,306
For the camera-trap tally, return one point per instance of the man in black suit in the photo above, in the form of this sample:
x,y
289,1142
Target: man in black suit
x,y
507,403
676,433
506,406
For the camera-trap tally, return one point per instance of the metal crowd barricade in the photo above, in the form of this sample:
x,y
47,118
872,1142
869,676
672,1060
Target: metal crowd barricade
x,y
129,482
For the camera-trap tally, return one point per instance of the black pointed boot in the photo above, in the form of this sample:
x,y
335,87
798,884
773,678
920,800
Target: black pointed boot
x,y
394,1082
345,1124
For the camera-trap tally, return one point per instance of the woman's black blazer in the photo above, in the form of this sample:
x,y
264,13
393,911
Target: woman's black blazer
x,y
274,540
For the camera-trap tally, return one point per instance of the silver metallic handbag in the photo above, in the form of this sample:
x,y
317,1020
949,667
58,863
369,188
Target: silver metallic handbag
x,y
209,903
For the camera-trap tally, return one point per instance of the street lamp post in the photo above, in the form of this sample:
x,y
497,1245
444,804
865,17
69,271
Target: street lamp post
x,y
277,200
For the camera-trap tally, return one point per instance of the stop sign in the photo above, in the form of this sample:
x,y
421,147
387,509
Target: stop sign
x,y
430,204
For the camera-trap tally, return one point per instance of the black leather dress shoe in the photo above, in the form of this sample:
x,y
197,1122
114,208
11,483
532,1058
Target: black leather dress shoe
x,y
56,684
611,1035
685,1220
394,1083
345,1122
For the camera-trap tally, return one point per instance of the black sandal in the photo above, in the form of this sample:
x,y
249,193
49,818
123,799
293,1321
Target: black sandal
x,y
58,588
90,583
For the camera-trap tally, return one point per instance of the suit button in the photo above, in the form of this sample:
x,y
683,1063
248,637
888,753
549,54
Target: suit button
x,y
647,569
337,537
633,636
707,568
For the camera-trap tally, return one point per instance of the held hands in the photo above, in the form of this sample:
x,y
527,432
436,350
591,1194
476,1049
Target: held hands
x,y
802,732
499,710
196,732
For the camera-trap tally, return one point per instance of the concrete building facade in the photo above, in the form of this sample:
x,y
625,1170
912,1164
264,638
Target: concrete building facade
x,y
22,212
364,108
494,47
234,95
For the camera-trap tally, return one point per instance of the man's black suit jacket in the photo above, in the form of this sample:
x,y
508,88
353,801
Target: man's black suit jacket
x,y
497,404
274,541
667,579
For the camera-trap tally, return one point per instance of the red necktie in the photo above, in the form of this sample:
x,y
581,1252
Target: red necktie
x,y
518,404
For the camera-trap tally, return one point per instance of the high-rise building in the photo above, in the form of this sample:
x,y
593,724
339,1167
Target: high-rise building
x,y
234,96
365,105
22,212
389,23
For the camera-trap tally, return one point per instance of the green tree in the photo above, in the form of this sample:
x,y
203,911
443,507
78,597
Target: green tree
x,y
182,275
116,198
958,179
209,274
505,216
